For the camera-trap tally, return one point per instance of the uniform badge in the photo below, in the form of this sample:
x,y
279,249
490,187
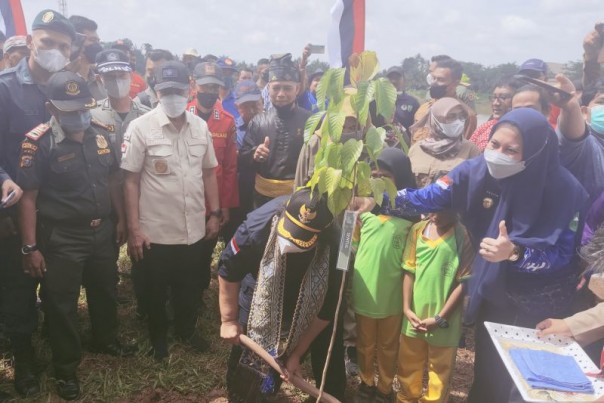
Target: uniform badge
x,y
160,166
487,203
112,57
103,151
72,88
38,131
306,216
101,141
48,17
29,147
26,161
210,69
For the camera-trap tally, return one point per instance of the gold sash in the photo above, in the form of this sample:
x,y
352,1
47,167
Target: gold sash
x,y
274,187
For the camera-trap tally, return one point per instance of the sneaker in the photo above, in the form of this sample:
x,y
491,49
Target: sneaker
x,y
352,368
365,393
68,388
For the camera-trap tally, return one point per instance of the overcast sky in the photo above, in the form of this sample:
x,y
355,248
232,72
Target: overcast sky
x,y
483,31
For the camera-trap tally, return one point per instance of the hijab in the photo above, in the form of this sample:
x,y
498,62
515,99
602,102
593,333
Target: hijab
x,y
537,204
437,144
396,162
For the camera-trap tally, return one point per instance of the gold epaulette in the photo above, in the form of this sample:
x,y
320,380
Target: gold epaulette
x,y
109,128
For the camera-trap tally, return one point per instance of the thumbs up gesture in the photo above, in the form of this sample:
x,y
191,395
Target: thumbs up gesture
x,y
497,250
262,151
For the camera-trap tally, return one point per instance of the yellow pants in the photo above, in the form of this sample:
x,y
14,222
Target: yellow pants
x,y
414,355
378,338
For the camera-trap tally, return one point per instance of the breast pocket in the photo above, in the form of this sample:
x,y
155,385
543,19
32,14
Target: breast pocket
x,y
196,149
160,160
67,174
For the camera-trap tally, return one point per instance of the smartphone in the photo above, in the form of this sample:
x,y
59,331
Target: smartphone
x,y
317,49
8,198
552,89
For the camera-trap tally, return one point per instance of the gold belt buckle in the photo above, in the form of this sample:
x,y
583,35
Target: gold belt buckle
x,y
95,223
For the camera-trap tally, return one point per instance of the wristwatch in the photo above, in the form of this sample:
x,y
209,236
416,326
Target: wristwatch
x,y
216,213
441,322
517,252
27,249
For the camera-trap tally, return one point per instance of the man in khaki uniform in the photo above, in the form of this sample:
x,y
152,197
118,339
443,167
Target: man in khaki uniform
x,y
168,161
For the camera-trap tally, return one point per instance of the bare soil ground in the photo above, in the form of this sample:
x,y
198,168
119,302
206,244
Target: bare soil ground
x,y
186,377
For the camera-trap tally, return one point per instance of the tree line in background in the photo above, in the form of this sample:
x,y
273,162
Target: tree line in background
x,y
482,78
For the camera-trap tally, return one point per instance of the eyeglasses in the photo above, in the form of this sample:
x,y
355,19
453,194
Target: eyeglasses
x,y
501,98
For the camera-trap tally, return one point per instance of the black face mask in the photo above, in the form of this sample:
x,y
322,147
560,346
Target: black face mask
x,y
151,82
438,91
206,99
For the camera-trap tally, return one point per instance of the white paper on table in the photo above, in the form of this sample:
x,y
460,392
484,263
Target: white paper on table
x,y
505,337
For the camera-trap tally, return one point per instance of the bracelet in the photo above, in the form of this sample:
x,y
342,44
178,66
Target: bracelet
x,y
441,322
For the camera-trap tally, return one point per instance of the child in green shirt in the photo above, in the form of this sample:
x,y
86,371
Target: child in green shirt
x,y
377,286
437,259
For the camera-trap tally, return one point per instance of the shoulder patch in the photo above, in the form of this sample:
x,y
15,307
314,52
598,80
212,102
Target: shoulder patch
x,y
109,128
37,132
444,182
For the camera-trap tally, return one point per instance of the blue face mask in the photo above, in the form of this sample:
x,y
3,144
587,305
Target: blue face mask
x,y
74,122
597,119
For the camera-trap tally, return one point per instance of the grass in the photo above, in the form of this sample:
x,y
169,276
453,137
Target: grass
x,y
186,377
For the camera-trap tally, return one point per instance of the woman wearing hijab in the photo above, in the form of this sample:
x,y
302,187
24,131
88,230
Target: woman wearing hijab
x,y
520,208
445,147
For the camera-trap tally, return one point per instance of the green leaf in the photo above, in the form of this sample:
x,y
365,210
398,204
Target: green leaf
x,y
363,175
377,188
331,87
332,154
314,180
385,98
319,158
363,67
351,151
323,181
311,125
361,100
332,179
391,190
339,200
374,140
335,122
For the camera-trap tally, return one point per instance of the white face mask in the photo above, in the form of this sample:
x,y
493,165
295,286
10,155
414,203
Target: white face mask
x,y
173,105
454,129
502,166
117,87
429,79
51,60
287,246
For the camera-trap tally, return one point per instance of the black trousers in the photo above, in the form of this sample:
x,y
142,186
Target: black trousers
x,y
77,256
17,293
174,267
335,382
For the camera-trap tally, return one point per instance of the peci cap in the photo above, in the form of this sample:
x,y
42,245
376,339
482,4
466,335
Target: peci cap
x,y
226,63
172,74
395,70
54,21
533,65
68,92
304,218
282,68
247,91
208,73
17,41
112,60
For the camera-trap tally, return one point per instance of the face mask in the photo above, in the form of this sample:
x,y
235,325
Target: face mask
x,y
501,166
228,82
206,99
75,122
286,246
151,82
173,105
438,91
51,60
430,79
117,87
597,119
454,129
